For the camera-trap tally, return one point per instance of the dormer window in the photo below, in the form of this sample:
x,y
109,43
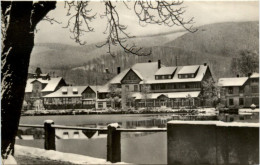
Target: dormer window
x,y
75,91
64,91
181,76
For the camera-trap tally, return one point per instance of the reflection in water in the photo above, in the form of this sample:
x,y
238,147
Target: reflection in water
x,y
158,121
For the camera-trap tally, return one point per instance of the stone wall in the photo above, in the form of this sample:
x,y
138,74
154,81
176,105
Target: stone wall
x,y
212,142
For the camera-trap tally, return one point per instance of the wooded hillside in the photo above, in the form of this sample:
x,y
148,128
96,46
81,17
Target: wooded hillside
x,y
215,44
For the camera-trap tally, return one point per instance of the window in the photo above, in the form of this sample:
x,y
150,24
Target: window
x,y
241,101
241,90
255,101
254,89
136,88
169,77
162,86
127,87
192,75
187,86
231,102
254,80
156,77
108,104
163,77
230,90
100,104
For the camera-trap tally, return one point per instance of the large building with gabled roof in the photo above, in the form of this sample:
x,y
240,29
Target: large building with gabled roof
x,y
155,85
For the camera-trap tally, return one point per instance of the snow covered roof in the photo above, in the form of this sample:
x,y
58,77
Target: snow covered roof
x,y
255,75
200,75
139,95
217,123
100,88
166,70
117,79
233,81
143,70
189,69
147,72
51,84
67,91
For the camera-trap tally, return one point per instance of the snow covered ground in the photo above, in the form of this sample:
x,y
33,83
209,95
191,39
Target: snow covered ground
x,y
55,155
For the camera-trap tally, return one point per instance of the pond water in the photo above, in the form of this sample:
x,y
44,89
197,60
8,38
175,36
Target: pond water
x,y
140,148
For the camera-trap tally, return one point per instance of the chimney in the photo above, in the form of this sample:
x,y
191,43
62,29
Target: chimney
x,y
118,70
149,61
205,64
237,75
249,74
107,70
159,64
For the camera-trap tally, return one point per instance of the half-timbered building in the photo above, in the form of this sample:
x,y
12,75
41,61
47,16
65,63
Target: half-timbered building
x,y
78,97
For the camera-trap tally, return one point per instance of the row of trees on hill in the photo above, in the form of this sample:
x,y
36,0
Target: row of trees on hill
x,y
247,62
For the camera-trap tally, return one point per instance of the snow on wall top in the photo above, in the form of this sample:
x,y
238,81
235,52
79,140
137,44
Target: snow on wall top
x,y
217,123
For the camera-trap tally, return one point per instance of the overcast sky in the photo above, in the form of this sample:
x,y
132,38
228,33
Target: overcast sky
x,y
204,12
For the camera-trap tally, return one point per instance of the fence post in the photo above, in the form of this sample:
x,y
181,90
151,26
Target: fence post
x,y
113,143
49,135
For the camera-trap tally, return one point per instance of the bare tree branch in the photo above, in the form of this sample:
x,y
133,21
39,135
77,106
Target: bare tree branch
x,y
167,13
117,34
51,20
163,12
79,19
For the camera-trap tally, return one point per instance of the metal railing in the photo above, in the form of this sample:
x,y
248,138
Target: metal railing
x,y
113,132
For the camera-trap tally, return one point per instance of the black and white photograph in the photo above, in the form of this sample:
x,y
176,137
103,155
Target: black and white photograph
x,y
130,82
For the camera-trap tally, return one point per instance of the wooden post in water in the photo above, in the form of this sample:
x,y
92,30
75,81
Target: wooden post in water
x,y
113,143
49,135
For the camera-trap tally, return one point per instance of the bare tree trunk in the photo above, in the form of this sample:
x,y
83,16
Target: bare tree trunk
x,y
20,20
17,47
